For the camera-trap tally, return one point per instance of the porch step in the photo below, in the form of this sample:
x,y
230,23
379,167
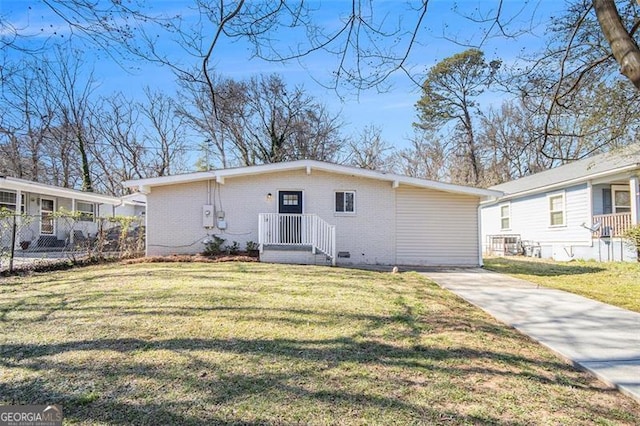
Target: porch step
x,y
286,247
294,255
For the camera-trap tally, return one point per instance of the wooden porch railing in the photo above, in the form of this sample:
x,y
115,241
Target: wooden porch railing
x,y
297,230
611,225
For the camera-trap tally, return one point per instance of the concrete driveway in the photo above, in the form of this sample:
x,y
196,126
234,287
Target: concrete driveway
x,y
600,338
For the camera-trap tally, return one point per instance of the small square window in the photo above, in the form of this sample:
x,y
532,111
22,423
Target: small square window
x,y
345,202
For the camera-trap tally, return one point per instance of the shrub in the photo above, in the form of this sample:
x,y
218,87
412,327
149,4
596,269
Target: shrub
x,y
632,235
251,246
234,248
213,246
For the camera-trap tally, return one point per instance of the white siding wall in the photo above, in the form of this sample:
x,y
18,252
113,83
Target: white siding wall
x,y
530,219
436,228
174,213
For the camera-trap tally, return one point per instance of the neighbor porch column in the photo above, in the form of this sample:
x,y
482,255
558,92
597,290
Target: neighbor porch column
x,y
634,191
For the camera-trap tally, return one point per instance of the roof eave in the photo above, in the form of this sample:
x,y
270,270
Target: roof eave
x,y
34,187
570,182
145,185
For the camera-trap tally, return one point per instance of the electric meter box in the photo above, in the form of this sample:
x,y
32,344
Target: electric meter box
x,y
222,223
208,216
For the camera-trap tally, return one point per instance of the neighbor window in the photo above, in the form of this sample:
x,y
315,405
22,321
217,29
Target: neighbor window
x,y
505,216
345,202
621,197
556,210
86,210
8,201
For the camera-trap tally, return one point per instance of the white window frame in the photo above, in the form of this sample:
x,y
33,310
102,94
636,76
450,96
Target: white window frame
x,y
507,217
12,206
51,212
563,209
335,204
620,188
86,215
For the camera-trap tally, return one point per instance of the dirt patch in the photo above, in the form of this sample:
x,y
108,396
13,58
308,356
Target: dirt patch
x,y
193,258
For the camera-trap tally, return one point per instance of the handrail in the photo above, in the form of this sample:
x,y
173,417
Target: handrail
x,y
611,225
297,230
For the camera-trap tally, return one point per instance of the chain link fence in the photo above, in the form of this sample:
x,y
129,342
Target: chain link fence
x,y
38,242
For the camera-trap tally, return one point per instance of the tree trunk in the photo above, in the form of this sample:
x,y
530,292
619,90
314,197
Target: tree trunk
x,y
86,174
623,46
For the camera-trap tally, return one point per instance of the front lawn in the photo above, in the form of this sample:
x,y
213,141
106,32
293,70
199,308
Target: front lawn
x,y
248,343
615,283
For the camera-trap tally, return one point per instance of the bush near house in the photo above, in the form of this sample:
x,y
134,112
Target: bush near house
x,y
633,238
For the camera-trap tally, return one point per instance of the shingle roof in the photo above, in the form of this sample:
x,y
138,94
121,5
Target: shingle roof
x,y
580,170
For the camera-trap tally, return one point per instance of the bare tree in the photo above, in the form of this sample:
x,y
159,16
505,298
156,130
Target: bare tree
x,y
164,136
425,158
262,121
70,91
370,151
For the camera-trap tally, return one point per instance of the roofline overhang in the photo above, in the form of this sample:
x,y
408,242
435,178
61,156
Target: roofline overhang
x,y
7,182
145,185
558,185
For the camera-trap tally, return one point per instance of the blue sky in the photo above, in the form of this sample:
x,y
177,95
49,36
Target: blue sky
x,y
392,110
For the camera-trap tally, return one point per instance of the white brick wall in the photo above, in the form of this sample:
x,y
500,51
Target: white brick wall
x,y
174,214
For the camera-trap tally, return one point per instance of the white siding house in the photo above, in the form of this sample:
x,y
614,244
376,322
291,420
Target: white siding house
x,y
576,211
314,212
40,201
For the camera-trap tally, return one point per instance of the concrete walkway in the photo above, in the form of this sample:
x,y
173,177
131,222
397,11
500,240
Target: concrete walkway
x,y
601,338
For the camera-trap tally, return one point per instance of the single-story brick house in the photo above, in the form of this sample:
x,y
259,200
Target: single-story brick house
x,y
310,212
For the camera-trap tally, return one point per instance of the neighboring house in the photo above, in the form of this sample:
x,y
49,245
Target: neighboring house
x,y
576,211
132,205
314,212
41,202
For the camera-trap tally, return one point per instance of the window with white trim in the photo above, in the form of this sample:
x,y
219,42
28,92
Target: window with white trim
x,y
505,217
8,201
345,202
621,198
86,210
556,210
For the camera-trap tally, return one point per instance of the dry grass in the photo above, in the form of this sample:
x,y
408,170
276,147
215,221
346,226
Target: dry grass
x,y
615,283
251,343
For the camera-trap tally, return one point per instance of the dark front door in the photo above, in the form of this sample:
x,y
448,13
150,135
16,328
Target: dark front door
x,y
290,203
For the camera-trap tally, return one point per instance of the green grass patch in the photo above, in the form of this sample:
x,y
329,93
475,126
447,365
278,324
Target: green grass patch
x,y
251,343
615,283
